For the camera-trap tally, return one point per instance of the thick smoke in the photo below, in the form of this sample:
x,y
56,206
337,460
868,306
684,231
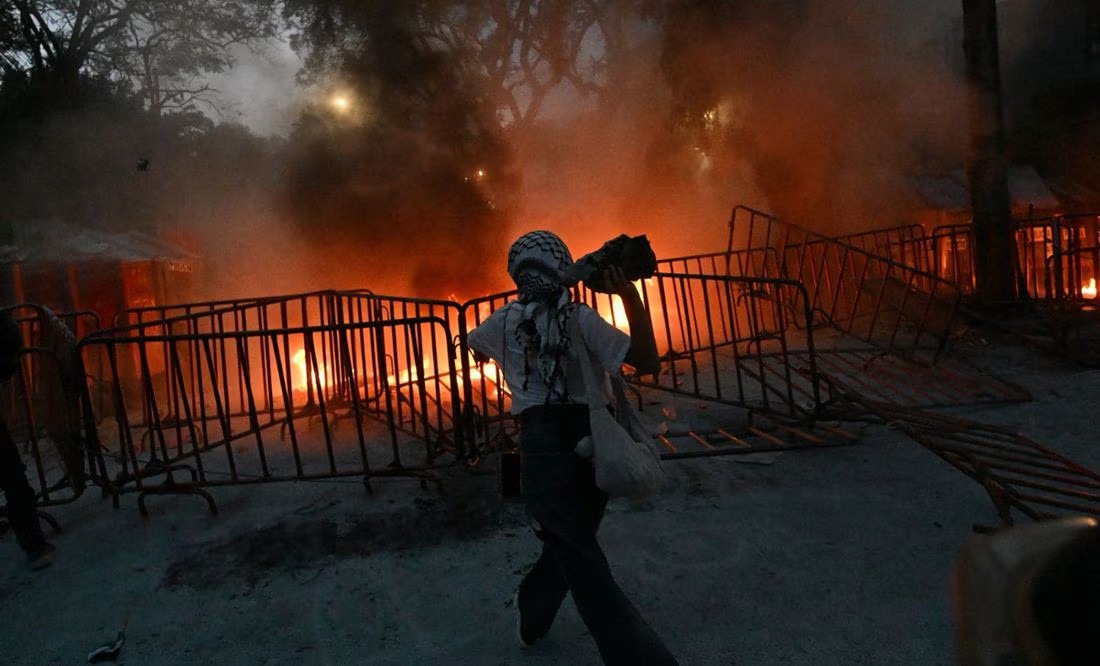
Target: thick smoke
x,y
206,188
817,111
409,190
830,104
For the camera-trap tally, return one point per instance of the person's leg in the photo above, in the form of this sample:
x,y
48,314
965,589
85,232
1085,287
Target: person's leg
x,y
22,511
566,508
621,633
540,595
547,475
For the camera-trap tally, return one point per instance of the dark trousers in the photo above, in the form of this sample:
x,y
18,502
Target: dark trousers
x,y
21,510
565,508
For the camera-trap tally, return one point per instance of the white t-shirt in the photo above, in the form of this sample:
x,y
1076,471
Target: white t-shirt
x,y
496,338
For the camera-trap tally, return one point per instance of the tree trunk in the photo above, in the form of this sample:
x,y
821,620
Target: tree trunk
x,y
994,264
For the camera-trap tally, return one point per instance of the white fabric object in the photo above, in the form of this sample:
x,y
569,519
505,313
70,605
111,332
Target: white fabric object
x,y
496,338
624,456
546,335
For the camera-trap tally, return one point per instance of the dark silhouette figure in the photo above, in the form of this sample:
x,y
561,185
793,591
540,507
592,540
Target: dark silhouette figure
x,y
21,508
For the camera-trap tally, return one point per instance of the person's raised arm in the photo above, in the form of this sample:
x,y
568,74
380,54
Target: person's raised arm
x,y
642,354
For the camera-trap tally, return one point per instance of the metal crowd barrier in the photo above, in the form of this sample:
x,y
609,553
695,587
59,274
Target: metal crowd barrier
x,y
739,341
1051,264
212,400
872,297
760,262
208,394
1056,257
155,313
1019,474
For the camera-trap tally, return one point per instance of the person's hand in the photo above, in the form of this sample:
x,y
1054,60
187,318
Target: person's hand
x,y
609,280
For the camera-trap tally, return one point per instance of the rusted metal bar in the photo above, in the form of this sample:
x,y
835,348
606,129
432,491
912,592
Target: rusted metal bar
x,y
710,335
1006,463
234,407
751,439
874,298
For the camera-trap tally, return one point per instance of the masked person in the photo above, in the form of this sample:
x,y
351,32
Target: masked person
x,y
21,509
530,339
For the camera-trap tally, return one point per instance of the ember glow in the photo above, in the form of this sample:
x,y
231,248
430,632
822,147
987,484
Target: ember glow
x,y
303,377
616,314
491,374
412,374
1088,289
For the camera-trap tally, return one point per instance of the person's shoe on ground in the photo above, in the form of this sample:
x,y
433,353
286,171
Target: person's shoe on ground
x,y
41,557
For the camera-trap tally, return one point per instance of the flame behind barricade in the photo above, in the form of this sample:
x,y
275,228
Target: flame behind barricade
x,y
307,386
211,398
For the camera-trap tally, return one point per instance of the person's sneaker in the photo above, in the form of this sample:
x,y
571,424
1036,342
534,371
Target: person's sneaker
x,y
523,638
41,557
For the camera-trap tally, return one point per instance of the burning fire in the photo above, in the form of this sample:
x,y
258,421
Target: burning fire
x,y
492,376
616,314
411,374
302,377
1088,289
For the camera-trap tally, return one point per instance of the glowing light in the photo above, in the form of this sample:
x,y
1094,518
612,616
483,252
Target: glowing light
x,y
1088,289
341,103
411,374
303,377
617,315
488,376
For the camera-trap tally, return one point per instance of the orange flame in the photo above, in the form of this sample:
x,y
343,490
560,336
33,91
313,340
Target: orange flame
x,y
410,374
616,314
491,374
1088,289
303,377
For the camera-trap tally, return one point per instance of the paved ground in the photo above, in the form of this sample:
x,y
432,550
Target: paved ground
x,y
837,556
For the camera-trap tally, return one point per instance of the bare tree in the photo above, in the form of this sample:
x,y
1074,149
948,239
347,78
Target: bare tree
x,y
517,52
160,46
61,39
525,49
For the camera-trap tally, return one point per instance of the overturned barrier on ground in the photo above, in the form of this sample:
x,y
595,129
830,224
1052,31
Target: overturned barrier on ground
x,y
1020,475
881,314
867,296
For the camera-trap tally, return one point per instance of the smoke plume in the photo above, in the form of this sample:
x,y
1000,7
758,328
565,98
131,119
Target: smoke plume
x,y
410,190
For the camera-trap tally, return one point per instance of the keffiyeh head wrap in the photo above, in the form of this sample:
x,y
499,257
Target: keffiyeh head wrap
x,y
537,262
